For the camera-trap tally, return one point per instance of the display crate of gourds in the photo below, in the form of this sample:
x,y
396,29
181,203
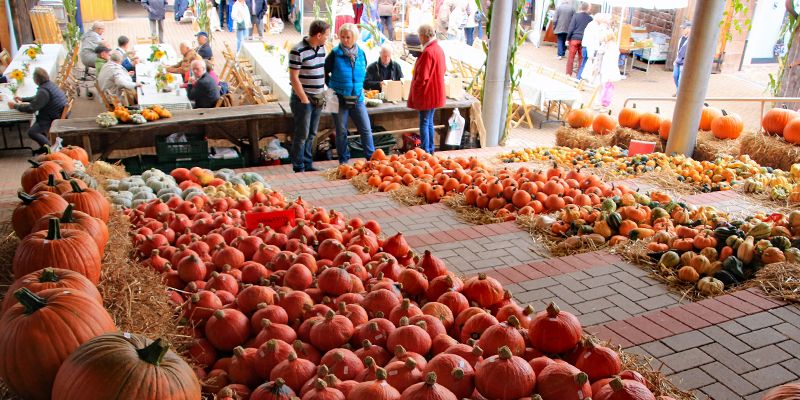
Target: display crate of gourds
x,y
122,114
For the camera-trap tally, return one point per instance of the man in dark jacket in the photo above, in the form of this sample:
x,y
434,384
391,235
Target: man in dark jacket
x,y
564,13
385,69
204,48
680,57
575,35
203,91
156,11
49,101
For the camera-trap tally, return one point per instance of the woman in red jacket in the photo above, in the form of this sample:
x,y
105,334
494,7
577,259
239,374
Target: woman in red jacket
x,y
427,86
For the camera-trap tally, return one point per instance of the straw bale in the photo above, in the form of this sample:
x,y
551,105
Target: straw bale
x,y
708,147
779,280
770,151
407,196
582,138
360,183
623,137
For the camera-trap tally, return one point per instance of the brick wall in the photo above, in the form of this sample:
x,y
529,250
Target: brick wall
x,y
654,20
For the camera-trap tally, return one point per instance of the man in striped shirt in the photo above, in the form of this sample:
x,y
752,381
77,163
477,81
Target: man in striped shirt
x,y
307,75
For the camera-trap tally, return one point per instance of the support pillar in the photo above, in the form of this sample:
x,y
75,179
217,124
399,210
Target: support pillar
x,y
694,77
494,102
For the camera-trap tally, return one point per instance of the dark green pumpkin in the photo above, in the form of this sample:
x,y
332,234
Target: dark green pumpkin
x,y
781,242
659,212
722,233
614,220
726,277
734,266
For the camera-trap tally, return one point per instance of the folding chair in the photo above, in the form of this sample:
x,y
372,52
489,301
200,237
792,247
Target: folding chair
x,y
5,58
521,113
225,100
103,98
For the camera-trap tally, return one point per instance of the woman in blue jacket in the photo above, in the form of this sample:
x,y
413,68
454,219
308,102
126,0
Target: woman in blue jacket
x,y
345,71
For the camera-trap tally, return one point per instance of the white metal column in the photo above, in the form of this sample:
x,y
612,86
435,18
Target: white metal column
x,y
494,103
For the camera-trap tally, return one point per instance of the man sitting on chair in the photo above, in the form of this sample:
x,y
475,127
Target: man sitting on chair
x,y
114,79
122,48
103,54
204,48
49,101
203,90
385,69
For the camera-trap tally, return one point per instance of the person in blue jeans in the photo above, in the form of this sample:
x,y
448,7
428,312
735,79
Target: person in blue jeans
x,y
306,73
680,58
345,71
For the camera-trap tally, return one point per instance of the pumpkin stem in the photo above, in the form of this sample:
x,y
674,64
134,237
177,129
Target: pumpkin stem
x,y
481,276
322,371
406,304
458,374
581,378
616,384
35,163
26,198
504,353
724,113
657,110
292,356
51,180
404,321
399,350
154,352
342,307
31,301
537,397
279,382
369,362
329,315
477,351
320,384
75,187
64,175
411,364
380,374
238,351
366,344
53,229
297,345
553,310
528,310
513,321
48,275
430,379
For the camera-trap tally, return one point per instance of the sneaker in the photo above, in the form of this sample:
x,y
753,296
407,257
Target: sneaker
x,y
560,57
40,150
312,169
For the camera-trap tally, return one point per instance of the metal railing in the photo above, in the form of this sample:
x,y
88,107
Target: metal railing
x,y
761,100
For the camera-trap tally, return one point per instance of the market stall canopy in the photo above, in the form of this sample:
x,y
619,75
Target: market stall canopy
x,y
649,4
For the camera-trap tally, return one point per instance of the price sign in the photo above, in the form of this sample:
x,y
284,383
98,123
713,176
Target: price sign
x,y
272,219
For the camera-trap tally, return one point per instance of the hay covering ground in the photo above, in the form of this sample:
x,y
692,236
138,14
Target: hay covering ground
x,y
623,137
780,280
360,183
135,296
582,138
407,196
467,213
770,151
708,147
8,245
551,242
331,174
656,381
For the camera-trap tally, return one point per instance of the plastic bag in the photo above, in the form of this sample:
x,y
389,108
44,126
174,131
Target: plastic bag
x,y
455,129
331,102
274,150
275,26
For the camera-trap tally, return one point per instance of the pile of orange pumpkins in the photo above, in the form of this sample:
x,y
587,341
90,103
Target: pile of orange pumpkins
x,y
329,308
783,123
55,335
723,125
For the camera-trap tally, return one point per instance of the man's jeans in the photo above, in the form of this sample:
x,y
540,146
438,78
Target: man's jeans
x,y
561,40
306,122
470,34
585,54
386,22
361,119
157,29
676,75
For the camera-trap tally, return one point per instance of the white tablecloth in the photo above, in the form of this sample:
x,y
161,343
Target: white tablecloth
x,y
269,67
51,59
539,90
472,56
148,95
143,51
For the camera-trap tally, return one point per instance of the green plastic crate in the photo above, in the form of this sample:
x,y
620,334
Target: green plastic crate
x,y
383,142
195,149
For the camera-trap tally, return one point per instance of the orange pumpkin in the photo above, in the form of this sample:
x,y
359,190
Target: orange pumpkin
x,y
775,120
579,118
727,126
707,116
792,131
629,117
663,130
604,124
650,122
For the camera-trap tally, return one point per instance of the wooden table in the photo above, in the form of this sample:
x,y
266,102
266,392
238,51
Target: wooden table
x,y
214,122
243,125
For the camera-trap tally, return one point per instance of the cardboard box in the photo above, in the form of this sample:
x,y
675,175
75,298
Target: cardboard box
x,y
406,88
393,91
454,87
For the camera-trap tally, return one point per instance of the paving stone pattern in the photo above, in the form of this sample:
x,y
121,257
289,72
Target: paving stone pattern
x,y
734,346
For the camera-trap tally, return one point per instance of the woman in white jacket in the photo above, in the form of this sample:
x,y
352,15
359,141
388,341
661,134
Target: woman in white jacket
x,y
240,15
